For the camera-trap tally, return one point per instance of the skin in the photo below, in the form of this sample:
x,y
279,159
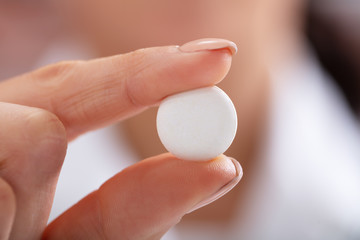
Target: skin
x,y
55,104
44,109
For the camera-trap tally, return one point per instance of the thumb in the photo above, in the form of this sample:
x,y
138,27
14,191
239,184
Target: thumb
x,y
147,199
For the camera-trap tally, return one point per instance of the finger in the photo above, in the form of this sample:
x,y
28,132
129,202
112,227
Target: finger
x,y
33,145
90,94
7,209
146,199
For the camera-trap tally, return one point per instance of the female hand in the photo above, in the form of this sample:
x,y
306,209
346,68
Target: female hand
x,y
42,110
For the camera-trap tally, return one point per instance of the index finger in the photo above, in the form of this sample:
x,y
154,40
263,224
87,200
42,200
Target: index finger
x,y
86,95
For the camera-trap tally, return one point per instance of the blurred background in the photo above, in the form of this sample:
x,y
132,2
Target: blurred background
x,y
295,83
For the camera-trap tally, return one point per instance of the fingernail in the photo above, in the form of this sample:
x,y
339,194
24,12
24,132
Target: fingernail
x,y
222,191
209,44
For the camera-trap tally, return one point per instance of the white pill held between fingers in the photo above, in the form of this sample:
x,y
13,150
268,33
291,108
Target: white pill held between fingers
x,y
197,125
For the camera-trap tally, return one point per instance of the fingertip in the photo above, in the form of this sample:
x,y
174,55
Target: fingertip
x,y
209,67
218,172
209,44
175,71
229,172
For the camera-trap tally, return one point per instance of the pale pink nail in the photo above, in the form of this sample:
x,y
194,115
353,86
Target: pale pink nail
x,y
209,44
222,191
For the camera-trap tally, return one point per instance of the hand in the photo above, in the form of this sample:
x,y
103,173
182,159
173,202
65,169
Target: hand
x,y
41,111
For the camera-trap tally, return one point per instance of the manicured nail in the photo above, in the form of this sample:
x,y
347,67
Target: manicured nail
x,y
209,44
222,191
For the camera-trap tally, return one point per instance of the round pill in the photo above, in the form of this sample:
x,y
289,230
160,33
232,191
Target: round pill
x,y
197,125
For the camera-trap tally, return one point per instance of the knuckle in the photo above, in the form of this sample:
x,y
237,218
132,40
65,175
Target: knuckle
x,y
46,128
52,75
137,65
7,195
32,139
137,62
138,55
48,136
